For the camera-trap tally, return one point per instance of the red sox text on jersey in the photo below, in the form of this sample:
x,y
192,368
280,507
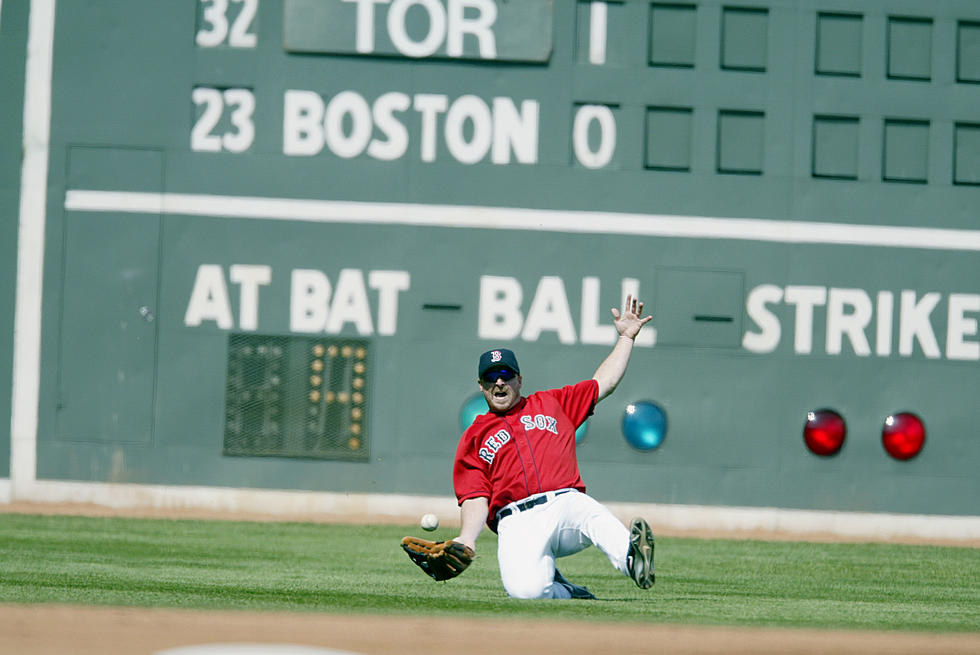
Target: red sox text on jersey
x,y
496,441
493,443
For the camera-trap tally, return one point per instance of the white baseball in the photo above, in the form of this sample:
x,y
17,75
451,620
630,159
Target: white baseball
x,y
430,522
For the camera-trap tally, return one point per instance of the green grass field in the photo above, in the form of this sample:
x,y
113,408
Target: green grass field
x,y
346,568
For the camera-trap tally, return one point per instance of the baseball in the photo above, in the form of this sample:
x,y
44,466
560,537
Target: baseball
x,y
430,522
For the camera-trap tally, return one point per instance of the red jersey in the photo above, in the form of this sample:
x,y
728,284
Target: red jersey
x,y
526,451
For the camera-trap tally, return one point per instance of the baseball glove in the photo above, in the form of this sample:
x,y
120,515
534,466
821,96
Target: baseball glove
x,y
441,560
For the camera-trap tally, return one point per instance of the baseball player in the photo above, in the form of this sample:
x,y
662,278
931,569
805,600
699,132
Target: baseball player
x,y
516,471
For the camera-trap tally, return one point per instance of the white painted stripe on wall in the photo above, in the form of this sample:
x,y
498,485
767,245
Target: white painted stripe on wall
x,y
407,508
545,220
30,245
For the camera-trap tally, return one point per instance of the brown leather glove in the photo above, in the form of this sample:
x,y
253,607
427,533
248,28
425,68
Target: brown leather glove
x,y
441,560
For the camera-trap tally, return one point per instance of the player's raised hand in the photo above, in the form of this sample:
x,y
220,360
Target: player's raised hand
x,y
629,322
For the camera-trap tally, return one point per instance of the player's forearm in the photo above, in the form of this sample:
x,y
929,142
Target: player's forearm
x,y
613,367
473,515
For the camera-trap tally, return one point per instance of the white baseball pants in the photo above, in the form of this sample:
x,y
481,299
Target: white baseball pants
x,y
528,542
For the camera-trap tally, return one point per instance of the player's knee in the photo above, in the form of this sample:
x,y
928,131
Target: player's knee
x,y
526,589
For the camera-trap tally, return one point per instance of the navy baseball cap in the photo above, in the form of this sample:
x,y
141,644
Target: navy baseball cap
x,y
498,358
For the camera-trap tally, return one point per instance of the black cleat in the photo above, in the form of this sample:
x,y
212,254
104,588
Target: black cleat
x,y
578,593
639,560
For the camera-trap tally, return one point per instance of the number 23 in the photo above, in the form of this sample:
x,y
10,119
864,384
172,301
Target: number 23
x,y
241,103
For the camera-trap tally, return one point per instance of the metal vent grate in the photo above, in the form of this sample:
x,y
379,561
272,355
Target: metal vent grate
x,y
296,397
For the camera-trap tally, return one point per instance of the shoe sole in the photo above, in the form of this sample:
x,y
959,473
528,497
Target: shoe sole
x,y
642,546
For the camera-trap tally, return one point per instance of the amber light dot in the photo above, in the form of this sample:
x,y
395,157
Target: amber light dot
x,y
824,432
903,435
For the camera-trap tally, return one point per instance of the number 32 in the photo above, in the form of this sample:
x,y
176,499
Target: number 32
x,y
217,28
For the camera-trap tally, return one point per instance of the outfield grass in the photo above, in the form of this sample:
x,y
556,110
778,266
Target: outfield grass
x,y
346,568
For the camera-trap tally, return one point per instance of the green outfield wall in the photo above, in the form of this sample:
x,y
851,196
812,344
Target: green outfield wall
x,y
13,42
279,234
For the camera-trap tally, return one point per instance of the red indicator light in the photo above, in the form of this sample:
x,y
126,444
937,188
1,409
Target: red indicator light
x,y
903,435
824,432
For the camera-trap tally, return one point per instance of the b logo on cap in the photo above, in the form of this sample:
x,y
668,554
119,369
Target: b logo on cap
x,y
495,356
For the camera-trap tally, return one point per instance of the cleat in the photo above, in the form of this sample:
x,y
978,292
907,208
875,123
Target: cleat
x,y
578,593
639,560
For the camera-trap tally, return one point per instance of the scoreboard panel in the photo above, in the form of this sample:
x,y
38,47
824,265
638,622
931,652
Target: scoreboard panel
x,y
792,187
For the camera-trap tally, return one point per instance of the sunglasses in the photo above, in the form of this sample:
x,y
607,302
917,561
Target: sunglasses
x,y
505,374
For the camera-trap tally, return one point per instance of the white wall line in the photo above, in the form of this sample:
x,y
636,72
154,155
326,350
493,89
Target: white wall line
x,y
546,220
263,503
30,246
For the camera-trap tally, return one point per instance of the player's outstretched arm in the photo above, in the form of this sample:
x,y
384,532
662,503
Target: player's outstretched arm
x,y
628,325
473,514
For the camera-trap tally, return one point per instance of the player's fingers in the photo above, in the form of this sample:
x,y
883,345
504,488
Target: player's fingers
x,y
615,313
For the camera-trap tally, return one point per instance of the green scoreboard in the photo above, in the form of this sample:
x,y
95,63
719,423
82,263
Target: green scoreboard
x,y
280,232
